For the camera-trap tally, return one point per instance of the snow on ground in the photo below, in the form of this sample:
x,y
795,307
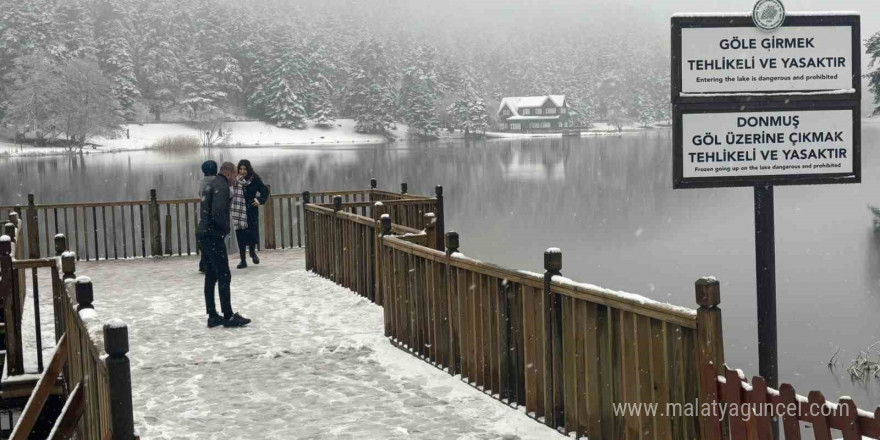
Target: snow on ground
x,y
246,133
314,364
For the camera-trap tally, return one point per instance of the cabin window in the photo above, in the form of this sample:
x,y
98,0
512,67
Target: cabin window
x,y
514,126
505,112
551,111
526,112
562,110
545,125
539,111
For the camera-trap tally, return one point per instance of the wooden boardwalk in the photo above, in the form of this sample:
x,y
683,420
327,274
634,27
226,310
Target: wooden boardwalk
x,y
314,363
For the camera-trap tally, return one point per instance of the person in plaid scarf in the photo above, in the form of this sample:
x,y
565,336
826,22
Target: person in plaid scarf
x,y
248,193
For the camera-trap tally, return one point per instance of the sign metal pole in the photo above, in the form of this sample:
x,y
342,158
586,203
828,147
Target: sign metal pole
x,y
765,274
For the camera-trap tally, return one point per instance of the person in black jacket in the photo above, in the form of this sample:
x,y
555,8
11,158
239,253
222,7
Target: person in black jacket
x,y
248,194
209,168
213,228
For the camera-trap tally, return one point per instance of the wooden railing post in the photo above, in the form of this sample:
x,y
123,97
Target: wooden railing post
x,y
438,211
85,294
119,375
337,240
384,228
60,244
452,244
169,249
373,185
68,272
403,188
269,220
378,212
10,230
33,229
11,311
710,350
68,266
155,226
431,230
306,199
553,378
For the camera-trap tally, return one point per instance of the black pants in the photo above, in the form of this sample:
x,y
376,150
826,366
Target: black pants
x,y
245,238
216,273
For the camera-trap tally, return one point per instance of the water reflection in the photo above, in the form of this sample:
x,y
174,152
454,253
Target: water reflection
x,y
606,201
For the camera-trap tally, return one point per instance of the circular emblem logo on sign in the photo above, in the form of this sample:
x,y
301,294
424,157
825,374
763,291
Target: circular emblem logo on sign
x,y
768,14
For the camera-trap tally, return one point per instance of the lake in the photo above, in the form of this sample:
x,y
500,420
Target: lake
x,y
606,201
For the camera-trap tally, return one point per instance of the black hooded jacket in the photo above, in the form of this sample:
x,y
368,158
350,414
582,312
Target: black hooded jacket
x,y
214,212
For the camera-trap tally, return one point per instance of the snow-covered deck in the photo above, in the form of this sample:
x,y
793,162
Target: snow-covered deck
x,y
313,364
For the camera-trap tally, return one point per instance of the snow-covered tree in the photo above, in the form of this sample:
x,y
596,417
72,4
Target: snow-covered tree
x,y
873,46
368,94
322,112
469,114
116,58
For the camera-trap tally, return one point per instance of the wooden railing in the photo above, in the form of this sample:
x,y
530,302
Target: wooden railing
x,y
154,227
95,372
567,352
341,244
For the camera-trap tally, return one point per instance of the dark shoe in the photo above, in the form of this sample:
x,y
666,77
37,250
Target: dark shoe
x,y
215,320
255,258
241,265
236,320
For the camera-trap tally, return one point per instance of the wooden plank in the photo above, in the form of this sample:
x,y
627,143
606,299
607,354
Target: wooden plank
x,y
691,390
629,373
660,377
125,234
593,364
820,424
758,398
570,354
505,347
581,335
529,351
643,367
70,414
113,225
35,403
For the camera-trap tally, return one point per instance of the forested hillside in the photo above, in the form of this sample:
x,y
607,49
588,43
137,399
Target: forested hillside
x,y
298,62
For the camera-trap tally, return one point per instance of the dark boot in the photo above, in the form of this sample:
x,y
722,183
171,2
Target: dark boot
x,y
236,320
243,263
254,256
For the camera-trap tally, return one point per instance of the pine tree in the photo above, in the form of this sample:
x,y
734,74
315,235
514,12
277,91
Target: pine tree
x,y
116,60
368,95
873,46
469,114
420,92
322,112
284,97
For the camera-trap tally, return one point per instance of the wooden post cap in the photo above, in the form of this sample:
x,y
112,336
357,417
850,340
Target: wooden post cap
x,y
9,229
438,190
708,292
306,197
85,294
553,260
60,244
378,204
429,218
403,187
152,194
5,245
68,262
385,220
452,241
373,183
30,199
116,337
13,217
337,203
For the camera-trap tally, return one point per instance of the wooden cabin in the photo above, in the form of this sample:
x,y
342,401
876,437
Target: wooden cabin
x,y
533,113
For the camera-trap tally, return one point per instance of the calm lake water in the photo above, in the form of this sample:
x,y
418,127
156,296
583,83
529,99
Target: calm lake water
x,y
607,202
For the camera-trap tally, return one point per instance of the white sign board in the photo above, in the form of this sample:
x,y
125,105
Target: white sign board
x,y
747,59
767,143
